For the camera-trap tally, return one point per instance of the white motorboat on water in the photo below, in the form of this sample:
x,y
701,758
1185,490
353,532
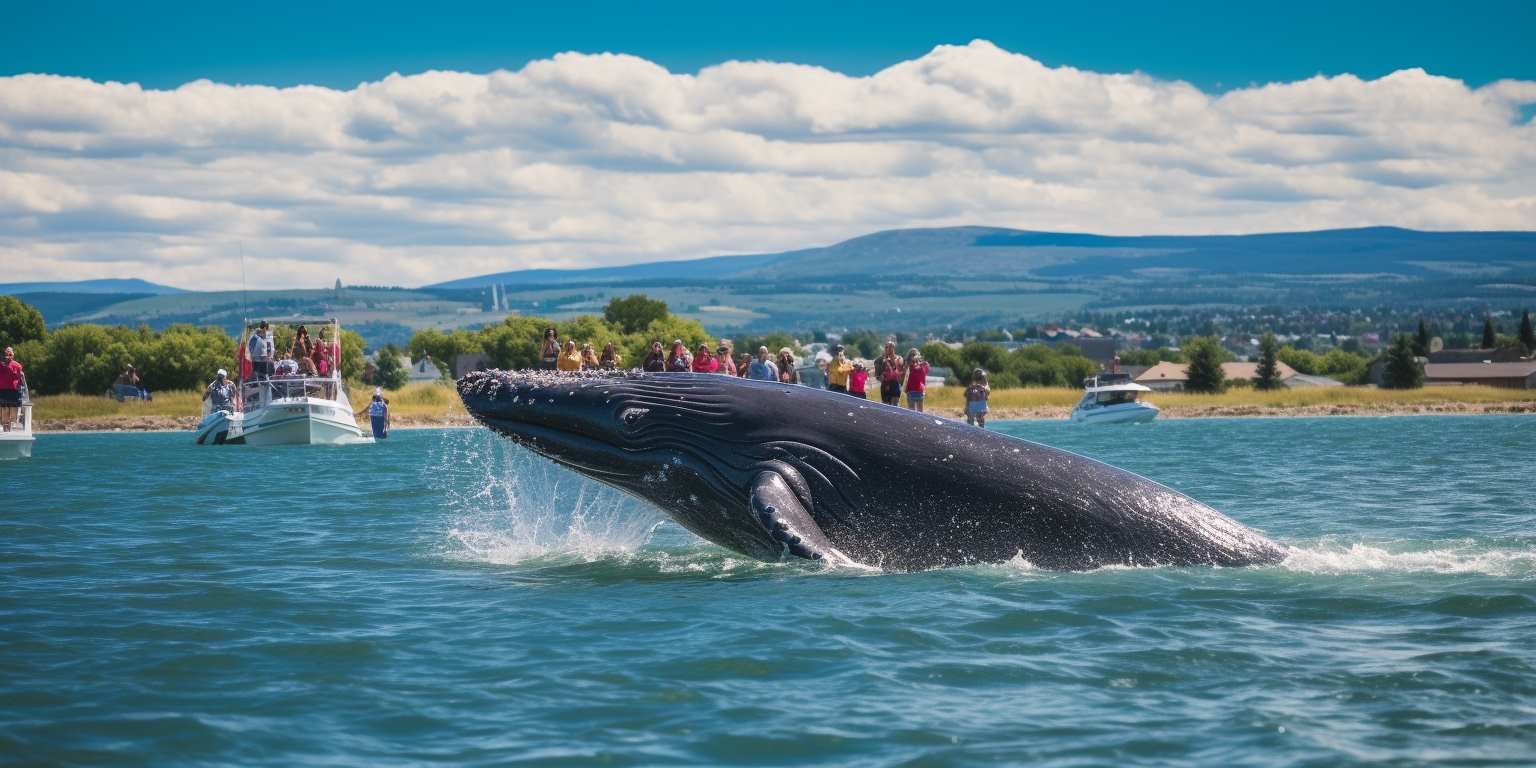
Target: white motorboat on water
x,y
16,442
309,407
1111,398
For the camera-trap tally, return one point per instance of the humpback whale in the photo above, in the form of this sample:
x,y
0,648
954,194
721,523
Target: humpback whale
x,y
773,470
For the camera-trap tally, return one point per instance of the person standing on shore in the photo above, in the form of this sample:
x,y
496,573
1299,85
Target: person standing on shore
x,y
570,359
838,370
856,380
610,359
12,379
789,373
656,361
679,361
890,370
762,369
549,351
917,379
976,399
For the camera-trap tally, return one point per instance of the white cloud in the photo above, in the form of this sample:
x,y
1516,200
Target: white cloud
x,y
583,160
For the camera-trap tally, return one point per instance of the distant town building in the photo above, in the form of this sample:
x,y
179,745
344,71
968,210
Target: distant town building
x,y
422,370
1303,381
1171,377
1519,375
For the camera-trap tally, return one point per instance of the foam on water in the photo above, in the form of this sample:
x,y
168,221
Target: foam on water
x,y
1336,556
504,505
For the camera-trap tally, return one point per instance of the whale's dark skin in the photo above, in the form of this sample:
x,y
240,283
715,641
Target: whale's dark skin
x,y
770,470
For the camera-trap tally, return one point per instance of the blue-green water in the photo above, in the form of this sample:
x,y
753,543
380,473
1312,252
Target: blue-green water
x,y
443,598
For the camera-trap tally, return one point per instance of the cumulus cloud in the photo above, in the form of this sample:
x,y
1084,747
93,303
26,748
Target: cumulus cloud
x,y
584,160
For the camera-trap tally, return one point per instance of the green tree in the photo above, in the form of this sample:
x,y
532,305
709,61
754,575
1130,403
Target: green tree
x,y
388,372
1527,336
1269,370
1402,371
19,322
1490,333
634,313
1421,340
444,348
1205,375
352,346
1303,360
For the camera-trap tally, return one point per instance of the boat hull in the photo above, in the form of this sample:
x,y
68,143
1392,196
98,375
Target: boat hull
x,y
1125,413
292,422
19,447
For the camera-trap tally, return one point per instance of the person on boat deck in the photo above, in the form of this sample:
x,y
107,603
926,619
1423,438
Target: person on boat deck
x,y
744,366
838,370
12,379
261,352
976,399
322,358
705,361
788,372
656,361
857,378
679,361
763,368
302,346
549,351
570,359
378,414
221,393
588,358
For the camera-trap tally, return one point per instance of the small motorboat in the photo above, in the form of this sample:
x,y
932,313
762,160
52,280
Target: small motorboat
x,y
1111,398
291,409
16,442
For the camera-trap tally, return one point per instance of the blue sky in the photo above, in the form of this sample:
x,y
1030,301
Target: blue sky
x,y
1214,45
155,140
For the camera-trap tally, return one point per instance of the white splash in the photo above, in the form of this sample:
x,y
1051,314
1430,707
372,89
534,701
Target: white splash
x,y
1457,556
504,505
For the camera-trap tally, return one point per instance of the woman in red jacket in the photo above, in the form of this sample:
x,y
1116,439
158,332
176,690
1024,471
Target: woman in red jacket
x,y
705,361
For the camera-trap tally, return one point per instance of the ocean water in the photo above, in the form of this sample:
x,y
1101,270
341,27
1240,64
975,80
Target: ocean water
x,y
444,598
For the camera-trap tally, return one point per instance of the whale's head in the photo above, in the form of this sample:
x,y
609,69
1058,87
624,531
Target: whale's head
x,y
681,441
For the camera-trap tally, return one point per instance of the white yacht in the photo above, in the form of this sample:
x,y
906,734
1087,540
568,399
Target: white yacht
x,y
305,408
1111,398
16,442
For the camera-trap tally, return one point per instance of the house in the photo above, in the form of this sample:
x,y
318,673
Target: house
x,y
1519,375
422,370
1171,377
1303,381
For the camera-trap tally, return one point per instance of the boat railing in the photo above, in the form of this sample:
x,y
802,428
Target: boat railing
x,y
262,392
23,421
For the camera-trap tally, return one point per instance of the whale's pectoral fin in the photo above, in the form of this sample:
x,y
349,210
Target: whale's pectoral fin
x,y
776,507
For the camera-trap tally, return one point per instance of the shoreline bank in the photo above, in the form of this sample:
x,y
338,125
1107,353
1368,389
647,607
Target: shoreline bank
x,y
158,423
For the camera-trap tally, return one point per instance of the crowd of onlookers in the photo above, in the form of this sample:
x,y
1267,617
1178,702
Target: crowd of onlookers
x,y
890,375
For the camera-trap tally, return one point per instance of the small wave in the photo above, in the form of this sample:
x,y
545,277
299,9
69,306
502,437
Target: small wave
x,y
1450,557
504,505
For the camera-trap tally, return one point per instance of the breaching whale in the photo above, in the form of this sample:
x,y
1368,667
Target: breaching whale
x,y
770,470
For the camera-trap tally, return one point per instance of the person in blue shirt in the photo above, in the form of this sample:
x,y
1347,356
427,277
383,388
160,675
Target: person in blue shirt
x,y
763,369
378,414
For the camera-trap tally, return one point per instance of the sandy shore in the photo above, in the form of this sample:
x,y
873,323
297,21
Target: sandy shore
x,y
188,423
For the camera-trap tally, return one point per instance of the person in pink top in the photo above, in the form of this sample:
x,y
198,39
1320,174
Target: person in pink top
x,y
705,361
917,379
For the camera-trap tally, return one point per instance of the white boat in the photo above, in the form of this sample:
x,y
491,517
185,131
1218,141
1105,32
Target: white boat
x,y
286,410
1111,398
16,442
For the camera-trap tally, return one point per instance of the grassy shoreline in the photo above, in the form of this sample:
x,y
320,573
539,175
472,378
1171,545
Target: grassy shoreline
x,y
428,405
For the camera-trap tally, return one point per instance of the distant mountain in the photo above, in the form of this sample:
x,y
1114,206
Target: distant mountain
x,y
135,286
1008,254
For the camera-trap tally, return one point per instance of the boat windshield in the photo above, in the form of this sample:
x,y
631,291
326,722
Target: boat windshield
x,y
1116,398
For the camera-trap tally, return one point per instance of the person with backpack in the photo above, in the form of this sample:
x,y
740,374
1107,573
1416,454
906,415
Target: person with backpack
x,y
890,370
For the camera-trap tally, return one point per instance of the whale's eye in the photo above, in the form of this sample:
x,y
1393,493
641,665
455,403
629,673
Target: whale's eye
x,y
631,415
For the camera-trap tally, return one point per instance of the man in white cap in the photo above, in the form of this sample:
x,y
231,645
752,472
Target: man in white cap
x,y
220,393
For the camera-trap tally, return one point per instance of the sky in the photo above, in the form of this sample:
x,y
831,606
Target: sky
x,y
380,144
